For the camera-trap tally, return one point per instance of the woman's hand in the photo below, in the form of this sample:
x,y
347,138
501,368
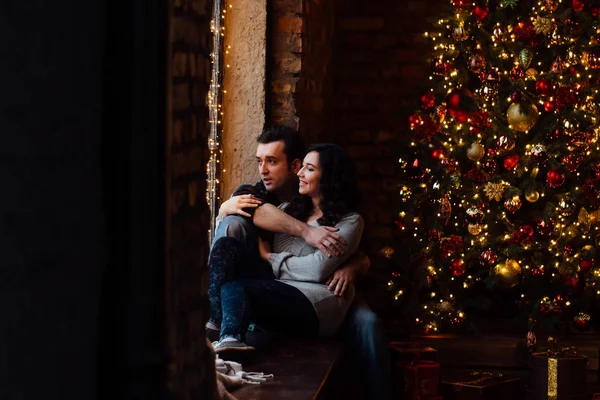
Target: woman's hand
x,y
264,249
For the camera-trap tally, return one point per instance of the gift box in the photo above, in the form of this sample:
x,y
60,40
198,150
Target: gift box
x,y
558,376
481,386
416,380
410,351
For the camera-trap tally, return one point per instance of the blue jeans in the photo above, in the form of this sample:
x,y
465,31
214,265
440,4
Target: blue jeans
x,y
366,340
273,305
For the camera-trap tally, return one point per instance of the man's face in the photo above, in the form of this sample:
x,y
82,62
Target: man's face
x,y
273,166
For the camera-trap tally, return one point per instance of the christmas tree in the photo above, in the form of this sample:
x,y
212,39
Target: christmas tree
x,y
501,172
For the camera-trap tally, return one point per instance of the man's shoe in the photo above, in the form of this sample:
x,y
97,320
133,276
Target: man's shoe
x,y
231,344
211,326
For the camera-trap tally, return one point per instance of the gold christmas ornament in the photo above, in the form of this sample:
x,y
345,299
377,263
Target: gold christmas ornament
x,y
531,74
507,274
474,229
532,196
522,117
460,33
475,152
543,25
525,57
494,190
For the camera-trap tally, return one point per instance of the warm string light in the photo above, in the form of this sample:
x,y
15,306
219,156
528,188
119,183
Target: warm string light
x,y
215,109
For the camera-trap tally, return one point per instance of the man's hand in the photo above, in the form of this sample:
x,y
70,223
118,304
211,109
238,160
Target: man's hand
x,y
236,204
341,280
325,239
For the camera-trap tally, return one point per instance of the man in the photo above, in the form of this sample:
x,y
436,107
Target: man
x,y
253,209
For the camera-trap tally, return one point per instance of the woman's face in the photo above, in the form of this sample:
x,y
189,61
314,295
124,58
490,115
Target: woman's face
x,y
309,175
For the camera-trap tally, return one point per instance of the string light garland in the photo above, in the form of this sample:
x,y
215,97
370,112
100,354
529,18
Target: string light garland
x,y
502,166
215,109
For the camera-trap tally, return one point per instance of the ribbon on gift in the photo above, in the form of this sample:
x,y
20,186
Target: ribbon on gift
x,y
554,353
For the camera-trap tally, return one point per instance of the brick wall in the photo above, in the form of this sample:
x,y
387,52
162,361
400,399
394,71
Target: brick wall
x,y
190,373
299,61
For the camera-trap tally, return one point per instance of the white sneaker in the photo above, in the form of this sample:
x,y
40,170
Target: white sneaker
x,y
226,345
211,326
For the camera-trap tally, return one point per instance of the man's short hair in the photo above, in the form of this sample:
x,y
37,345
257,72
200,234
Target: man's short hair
x,y
293,142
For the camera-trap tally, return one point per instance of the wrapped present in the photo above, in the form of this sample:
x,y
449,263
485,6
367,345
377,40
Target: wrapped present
x,y
416,380
481,386
410,351
558,375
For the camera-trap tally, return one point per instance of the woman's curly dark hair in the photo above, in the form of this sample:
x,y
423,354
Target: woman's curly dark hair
x,y
338,187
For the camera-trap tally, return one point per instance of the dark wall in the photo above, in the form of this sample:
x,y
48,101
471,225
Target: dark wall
x,y
82,114
52,213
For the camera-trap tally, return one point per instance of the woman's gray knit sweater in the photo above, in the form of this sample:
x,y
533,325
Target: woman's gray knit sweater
x,y
298,264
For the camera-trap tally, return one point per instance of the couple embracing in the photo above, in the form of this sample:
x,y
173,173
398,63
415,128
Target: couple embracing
x,y
285,254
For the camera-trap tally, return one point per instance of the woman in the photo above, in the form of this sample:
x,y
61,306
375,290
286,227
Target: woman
x,y
297,301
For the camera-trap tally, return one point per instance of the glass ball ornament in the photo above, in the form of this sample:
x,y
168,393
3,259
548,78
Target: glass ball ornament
x,y
539,154
460,33
522,117
532,195
506,143
475,215
531,74
555,178
582,321
474,229
477,63
475,152
499,33
513,204
488,258
566,206
507,274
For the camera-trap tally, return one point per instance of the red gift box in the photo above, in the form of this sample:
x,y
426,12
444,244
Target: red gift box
x,y
417,380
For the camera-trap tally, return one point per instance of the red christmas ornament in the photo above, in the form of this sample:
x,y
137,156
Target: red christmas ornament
x,y
426,129
586,265
577,5
457,267
480,12
513,205
460,116
427,100
433,235
595,12
488,258
437,153
555,178
549,106
510,162
544,87
517,72
491,152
